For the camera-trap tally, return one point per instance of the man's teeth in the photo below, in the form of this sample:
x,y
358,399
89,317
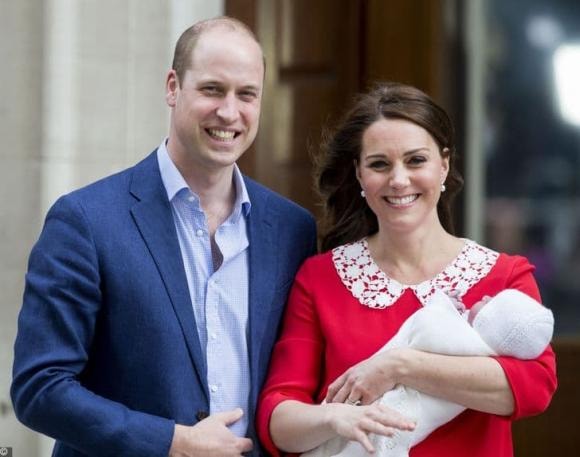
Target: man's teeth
x,y
402,200
222,134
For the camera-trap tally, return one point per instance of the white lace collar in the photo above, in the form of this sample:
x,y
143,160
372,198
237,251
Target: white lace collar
x,y
373,288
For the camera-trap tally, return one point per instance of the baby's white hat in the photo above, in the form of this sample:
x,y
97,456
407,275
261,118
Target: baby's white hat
x,y
514,324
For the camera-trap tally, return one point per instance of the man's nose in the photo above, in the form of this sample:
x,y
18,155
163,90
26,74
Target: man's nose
x,y
228,108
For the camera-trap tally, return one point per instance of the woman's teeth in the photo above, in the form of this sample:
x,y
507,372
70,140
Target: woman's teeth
x,y
402,200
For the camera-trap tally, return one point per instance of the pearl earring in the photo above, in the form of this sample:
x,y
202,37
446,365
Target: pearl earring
x,y
443,188
362,194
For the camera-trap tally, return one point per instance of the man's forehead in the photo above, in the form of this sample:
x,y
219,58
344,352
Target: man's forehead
x,y
226,80
216,69
216,46
226,32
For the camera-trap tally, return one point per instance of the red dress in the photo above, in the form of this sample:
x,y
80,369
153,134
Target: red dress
x,y
327,329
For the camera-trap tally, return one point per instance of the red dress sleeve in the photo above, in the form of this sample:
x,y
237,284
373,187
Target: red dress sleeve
x,y
533,382
295,366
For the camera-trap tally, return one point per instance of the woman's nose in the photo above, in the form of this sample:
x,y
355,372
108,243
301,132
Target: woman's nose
x,y
399,177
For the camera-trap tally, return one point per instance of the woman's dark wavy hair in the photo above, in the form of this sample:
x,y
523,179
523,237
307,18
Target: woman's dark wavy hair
x,y
347,217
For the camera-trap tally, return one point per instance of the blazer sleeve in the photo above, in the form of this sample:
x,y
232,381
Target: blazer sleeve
x,y
295,366
56,327
533,382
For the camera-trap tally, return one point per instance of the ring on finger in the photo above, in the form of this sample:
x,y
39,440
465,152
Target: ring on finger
x,y
353,402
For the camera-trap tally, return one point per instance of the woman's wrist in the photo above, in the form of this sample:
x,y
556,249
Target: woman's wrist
x,y
399,365
329,415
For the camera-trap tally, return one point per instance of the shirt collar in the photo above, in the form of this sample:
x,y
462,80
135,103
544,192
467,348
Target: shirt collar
x,y
174,183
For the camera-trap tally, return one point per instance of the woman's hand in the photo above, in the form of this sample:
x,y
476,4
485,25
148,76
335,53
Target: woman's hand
x,y
367,380
356,422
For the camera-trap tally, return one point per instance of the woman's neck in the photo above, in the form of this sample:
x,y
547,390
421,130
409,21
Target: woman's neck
x,y
413,257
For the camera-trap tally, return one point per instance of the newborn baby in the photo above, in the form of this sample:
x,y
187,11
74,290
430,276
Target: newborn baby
x,y
511,324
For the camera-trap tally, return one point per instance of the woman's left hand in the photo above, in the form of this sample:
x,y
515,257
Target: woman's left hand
x,y
367,380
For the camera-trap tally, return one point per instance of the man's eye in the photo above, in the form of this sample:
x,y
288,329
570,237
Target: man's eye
x,y
248,95
210,90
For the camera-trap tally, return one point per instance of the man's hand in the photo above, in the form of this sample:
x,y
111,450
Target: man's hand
x,y
210,437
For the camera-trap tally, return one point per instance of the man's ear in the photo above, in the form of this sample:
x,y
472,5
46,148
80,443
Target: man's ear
x,y
171,88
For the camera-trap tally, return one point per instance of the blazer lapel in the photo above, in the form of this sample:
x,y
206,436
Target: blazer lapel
x,y
262,230
154,219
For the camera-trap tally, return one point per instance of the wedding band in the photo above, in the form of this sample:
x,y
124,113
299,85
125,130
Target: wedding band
x,y
353,402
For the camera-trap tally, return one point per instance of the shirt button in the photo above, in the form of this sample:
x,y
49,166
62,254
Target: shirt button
x,y
213,388
213,336
191,198
199,232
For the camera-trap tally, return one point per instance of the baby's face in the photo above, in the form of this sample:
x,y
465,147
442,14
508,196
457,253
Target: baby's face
x,y
476,308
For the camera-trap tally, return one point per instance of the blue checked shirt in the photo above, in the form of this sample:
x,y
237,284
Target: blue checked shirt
x,y
220,297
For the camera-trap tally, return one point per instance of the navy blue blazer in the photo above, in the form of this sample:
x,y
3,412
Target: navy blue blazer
x,y
107,356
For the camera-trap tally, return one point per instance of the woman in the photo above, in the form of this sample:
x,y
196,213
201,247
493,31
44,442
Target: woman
x,y
387,178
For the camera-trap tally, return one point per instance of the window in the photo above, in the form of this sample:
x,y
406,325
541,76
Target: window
x,y
529,134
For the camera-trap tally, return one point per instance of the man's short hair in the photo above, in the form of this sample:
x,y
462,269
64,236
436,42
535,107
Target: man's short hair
x,y
188,39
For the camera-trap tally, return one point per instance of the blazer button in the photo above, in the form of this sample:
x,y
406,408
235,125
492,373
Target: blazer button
x,y
201,415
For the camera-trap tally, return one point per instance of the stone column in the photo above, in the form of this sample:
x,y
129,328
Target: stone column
x,y
83,96
21,34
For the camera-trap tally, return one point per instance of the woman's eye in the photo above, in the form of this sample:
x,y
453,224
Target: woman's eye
x,y
378,164
417,160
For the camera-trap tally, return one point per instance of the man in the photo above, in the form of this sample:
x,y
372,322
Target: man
x,y
153,296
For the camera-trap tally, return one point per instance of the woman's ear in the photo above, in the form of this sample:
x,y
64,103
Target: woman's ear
x,y
444,164
356,169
